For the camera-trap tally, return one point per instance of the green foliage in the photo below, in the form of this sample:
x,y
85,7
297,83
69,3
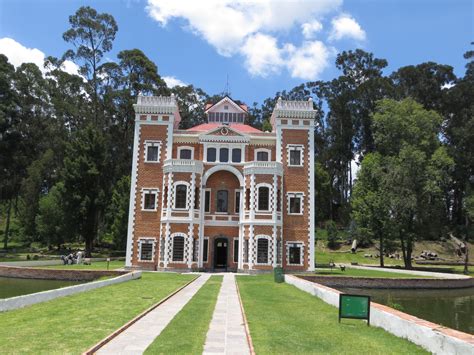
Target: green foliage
x,y
332,234
117,212
267,126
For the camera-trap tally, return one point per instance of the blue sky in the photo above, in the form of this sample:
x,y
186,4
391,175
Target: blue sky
x,y
262,46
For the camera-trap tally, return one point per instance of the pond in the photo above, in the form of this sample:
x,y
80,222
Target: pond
x,y
452,308
11,287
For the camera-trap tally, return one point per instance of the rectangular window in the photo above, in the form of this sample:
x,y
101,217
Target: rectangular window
x,y
205,250
294,253
247,200
185,154
152,151
262,251
224,155
279,200
236,155
236,250
295,156
295,204
222,201
211,154
207,201
181,193
146,250
263,198
237,201
246,251
196,198
149,200
162,249
262,156
178,248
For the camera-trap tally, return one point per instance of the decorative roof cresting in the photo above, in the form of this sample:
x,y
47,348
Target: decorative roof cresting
x,y
156,104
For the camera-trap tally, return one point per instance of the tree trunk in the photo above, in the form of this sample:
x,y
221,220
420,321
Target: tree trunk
x,y
7,225
409,251
466,254
404,250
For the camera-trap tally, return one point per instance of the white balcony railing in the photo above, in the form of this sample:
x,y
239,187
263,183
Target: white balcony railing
x,y
263,167
183,165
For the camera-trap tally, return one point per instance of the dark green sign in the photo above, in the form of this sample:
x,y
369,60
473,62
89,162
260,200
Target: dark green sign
x,y
354,306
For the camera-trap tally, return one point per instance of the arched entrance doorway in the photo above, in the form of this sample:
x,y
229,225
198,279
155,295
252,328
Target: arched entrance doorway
x,y
221,252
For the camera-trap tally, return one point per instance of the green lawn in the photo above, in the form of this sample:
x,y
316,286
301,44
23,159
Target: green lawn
x,y
324,257
285,320
367,273
186,333
74,323
95,265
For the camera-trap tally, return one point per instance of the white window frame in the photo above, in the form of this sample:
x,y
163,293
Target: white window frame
x,y
299,195
152,143
269,239
300,148
146,240
265,151
207,254
185,147
264,184
152,191
210,200
174,235
301,245
187,195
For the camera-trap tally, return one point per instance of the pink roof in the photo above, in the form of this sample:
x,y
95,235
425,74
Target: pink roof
x,y
244,128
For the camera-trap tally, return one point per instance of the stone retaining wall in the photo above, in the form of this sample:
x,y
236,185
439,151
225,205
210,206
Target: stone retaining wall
x,y
27,300
433,337
378,282
53,274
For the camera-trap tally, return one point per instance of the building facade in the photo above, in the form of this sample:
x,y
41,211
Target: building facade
x,y
222,195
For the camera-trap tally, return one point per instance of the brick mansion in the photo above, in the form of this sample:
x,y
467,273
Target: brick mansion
x,y
222,196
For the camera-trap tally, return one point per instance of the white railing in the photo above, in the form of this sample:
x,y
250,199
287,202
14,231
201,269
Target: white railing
x,y
183,165
156,100
294,105
263,167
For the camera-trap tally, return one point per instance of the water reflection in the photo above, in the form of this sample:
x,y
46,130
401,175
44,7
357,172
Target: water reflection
x,y
11,287
452,308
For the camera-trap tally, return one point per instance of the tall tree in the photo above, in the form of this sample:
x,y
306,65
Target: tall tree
x,y
92,35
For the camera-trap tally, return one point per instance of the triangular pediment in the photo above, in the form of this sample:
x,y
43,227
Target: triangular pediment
x,y
223,133
226,101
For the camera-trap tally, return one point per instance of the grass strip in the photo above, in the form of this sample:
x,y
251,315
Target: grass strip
x,y
186,333
74,323
285,320
368,273
95,265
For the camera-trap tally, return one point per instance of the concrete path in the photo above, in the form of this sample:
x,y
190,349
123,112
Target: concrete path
x,y
226,333
141,334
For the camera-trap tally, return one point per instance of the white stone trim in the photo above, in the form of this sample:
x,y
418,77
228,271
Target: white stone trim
x,y
151,191
185,147
146,240
188,186
299,195
228,168
301,244
152,143
291,147
230,147
133,191
264,150
312,201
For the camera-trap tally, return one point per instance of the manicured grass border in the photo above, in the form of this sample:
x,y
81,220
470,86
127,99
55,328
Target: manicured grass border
x,y
186,333
284,320
127,325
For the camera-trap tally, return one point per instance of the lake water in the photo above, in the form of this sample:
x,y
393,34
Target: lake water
x,y
452,308
11,287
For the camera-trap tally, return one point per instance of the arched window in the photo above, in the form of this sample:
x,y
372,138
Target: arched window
x,y
181,192
224,155
263,198
178,248
262,251
211,154
185,153
222,201
262,154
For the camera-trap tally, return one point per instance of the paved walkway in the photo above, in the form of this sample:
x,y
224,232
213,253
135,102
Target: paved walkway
x,y
226,333
141,334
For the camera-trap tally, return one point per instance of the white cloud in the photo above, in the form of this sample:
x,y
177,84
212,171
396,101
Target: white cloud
x,y
309,29
344,26
251,29
308,61
171,81
263,57
18,54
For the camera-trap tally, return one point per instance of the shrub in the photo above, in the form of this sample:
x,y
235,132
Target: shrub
x,y
332,233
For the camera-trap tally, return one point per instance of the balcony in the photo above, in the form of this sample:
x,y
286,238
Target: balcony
x,y
182,166
263,167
